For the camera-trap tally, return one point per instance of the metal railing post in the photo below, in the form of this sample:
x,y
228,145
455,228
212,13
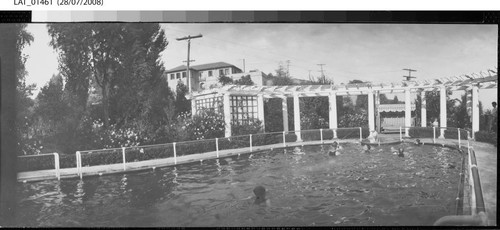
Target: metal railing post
x,y
175,153
434,134
321,135
217,146
250,142
360,134
400,134
459,139
79,164
123,158
56,165
468,137
334,133
284,140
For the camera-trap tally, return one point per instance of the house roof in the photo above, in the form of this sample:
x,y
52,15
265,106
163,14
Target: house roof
x,y
214,65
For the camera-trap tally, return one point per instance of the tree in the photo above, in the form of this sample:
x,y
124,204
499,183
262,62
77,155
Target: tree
x,y
182,104
123,61
51,118
245,80
23,91
281,77
433,106
225,80
13,38
115,57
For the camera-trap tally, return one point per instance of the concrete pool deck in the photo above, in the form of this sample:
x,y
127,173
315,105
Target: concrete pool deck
x,y
486,156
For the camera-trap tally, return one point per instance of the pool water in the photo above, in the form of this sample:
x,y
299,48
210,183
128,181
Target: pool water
x,y
306,187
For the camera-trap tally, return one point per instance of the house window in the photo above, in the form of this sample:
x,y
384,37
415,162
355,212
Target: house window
x,y
183,74
210,73
221,72
172,76
178,75
226,71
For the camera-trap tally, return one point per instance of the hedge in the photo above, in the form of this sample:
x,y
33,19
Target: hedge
x,y
34,163
488,137
426,132
114,156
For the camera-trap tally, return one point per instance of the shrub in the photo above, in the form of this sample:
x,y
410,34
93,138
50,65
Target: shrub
x,y
352,133
149,153
271,138
311,120
353,118
250,127
35,163
416,132
449,133
102,157
206,124
488,137
234,142
188,148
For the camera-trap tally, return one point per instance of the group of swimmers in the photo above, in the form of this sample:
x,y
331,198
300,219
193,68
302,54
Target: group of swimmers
x,y
260,191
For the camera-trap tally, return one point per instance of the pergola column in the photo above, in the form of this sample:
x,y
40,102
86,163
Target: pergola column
x,y
371,111
377,110
284,107
442,110
475,110
296,116
193,107
332,98
260,110
407,111
227,114
423,109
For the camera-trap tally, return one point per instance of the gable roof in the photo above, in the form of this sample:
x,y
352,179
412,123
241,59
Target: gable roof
x,y
214,65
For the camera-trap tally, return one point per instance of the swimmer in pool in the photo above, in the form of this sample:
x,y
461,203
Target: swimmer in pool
x,y
366,148
373,137
334,150
417,142
401,152
260,196
336,145
394,151
297,151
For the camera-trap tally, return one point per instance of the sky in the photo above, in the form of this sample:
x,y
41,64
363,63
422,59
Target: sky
x,y
370,52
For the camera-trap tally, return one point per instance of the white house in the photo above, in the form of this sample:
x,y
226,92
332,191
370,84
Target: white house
x,y
206,76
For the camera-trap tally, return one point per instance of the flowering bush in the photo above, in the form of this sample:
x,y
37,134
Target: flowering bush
x,y
113,137
311,120
206,124
353,119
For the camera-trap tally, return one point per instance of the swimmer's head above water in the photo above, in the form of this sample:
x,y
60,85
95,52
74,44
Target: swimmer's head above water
x,y
260,194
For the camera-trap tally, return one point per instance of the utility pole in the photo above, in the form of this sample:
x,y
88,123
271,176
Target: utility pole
x,y
409,77
322,72
188,38
310,75
243,64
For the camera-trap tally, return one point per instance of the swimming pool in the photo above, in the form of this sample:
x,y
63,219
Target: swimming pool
x,y
306,187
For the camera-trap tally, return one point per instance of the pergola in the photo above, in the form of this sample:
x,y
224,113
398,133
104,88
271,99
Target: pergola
x,y
229,97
